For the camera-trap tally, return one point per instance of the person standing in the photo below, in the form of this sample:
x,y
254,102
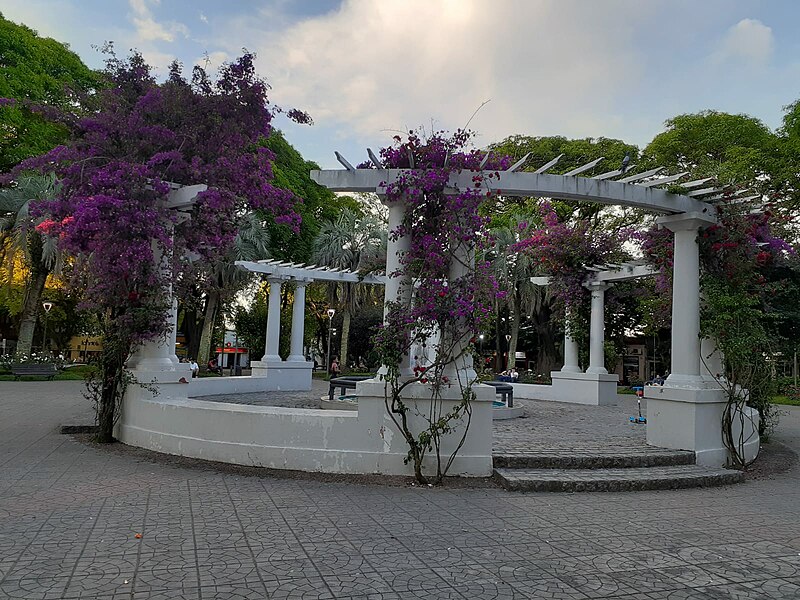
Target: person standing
x,y
335,367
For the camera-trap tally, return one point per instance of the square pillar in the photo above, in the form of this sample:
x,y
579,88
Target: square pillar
x,y
686,412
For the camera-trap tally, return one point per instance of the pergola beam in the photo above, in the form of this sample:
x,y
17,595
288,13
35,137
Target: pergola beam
x,y
526,184
300,272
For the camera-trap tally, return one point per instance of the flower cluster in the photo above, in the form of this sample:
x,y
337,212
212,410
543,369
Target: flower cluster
x,y
451,295
112,211
563,250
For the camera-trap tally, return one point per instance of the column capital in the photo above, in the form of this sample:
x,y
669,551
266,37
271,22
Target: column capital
x,y
302,282
277,278
686,221
597,285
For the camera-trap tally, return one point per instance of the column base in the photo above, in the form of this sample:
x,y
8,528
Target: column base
x,y
596,389
284,375
389,448
685,418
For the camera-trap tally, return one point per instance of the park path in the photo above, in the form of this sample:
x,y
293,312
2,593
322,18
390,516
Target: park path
x,y
70,512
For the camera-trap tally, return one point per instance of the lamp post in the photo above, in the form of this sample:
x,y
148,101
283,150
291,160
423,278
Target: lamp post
x,y
331,312
47,306
508,351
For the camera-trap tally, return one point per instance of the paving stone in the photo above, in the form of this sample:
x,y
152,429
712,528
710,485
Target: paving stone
x,y
74,510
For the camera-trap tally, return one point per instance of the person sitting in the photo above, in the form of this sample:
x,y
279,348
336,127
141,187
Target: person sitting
x,y
213,366
194,367
514,375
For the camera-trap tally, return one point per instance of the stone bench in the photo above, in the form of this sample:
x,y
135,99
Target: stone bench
x,y
48,370
504,390
345,383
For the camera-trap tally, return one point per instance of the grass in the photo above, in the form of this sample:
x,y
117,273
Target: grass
x,y
71,374
785,401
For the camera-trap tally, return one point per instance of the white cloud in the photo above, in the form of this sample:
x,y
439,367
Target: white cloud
x,y
749,41
203,17
150,30
371,66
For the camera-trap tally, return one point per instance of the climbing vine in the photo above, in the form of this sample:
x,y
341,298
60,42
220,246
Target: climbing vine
x,y
444,295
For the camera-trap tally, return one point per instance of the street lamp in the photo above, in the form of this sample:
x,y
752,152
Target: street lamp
x,y
331,312
508,350
47,306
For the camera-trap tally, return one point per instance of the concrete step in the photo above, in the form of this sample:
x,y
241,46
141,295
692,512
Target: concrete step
x,y
614,480
595,458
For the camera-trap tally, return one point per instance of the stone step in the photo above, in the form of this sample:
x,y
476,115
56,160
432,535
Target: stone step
x,y
597,458
614,480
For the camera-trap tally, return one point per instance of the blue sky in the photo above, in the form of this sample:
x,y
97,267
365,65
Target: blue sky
x,y
366,68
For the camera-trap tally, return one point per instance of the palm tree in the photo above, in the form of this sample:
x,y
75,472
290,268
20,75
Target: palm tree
x,y
513,271
352,243
251,243
18,235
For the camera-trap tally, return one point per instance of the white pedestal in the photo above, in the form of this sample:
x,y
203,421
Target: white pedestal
x,y
284,375
168,383
691,419
595,389
474,459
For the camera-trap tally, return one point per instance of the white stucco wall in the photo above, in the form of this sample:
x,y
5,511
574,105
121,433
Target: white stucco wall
x,y
334,441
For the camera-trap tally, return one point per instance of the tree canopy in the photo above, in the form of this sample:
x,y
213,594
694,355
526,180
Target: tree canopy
x,y
36,73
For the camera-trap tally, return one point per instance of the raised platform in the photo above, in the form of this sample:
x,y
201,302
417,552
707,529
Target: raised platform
x,y
576,448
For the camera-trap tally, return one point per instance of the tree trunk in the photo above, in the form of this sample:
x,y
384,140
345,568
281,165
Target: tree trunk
x,y
204,351
512,345
513,321
107,409
30,312
547,356
345,337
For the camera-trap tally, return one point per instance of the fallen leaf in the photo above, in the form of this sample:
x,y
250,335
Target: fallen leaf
x,y
138,536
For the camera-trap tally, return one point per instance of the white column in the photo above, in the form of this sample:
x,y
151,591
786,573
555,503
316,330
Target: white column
x,y
571,364
461,263
298,322
156,354
685,369
397,289
173,342
273,321
597,329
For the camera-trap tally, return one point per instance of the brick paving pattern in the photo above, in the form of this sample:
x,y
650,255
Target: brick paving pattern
x,y
69,515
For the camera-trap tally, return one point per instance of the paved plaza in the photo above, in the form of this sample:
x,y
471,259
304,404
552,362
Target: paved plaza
x,y
82,521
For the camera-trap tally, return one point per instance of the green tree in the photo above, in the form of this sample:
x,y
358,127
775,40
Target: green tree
x,y
19,234
734,149
576,153
36,72
350,243
319,205
513,271
225,279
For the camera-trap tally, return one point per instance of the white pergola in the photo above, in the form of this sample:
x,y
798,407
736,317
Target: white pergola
x,y
301,275
680,414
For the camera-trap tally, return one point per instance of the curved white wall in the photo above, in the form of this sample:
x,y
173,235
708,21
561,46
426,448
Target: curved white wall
x,y
334,441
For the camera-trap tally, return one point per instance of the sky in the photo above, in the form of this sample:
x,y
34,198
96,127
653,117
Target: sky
x,y
367,69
